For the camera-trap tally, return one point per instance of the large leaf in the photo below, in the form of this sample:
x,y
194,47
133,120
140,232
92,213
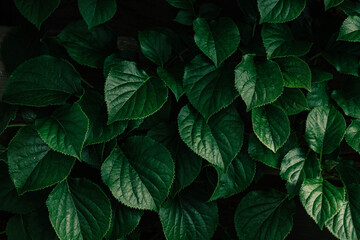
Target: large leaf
x,y
258,83
350,29
64,130
93,104
79,209
325,128
96,12
264,215
7,113
278,11
140,174
271,125
296,72
131,93
321,199
88,47
42,81
173,79
332,3
279,42
218,141
32,165
292,101
207,88
348,98
36,11
345,225
217,39
352,136
187,163
155,46
188,216
237,178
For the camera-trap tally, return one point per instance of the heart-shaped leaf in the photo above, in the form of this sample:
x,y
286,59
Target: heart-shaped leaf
x,y
96,12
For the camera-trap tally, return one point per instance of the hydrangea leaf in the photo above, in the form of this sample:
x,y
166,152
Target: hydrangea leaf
x,y
279,11
350,29
292,101
352,135
182,4
332,3
173,79
96,12
319,95
348,98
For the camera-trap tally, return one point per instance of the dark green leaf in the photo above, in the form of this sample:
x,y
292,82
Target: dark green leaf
x,y
7,113
155,46
42,81
351,8
217,39
319,76
292,101
325,128
182,4
319,95
96,12
352,136
332,3
65,130
140,174
185,17
173,79
350,29
264,215
79,209
348,98
258,83
207,88
131,93
349,174
278,11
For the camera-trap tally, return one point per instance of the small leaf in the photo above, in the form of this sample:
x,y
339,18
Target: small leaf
x,y
36,11
319,76
131,93
321,199
93,104
296,72
32,165
279,42
88,47
155,46
279,11
96,12
65,130
182,4
352,136
218,141
237,178
140,174
185,17
217,39
258,83
207,88
292,101
42,81
348,98
332,3
173,79
79,209
319,95
325,128
264,215
271,125
350,29
189,217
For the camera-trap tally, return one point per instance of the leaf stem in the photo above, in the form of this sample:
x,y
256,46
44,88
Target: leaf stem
x,y
87,83
17,125
315,56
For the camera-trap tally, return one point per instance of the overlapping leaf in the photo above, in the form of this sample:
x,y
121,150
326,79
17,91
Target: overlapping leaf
x,y
279,11
352,136
348,98
292,101
96,12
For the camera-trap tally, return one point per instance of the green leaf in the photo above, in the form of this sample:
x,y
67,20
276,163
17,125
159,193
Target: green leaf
x,y
155,46
350,29
351,8
79,209
352,136
292,101
88,47
296,72
42,81
139,174
207,88
32,165
348,172
11,201
236,179
35,225
182,4
96,12
346,223
93,104
319,76
217,39
185,17
321,199
332,3
279,11
319,95
173,79
123,221
258,83
7,113
131,93
261,153
279,42
93,155
271,125
218,141
187,163
36,11
64,130
325,128
264,215
348,98
189,217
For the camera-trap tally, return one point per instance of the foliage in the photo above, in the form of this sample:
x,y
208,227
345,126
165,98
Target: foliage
x,y
185,121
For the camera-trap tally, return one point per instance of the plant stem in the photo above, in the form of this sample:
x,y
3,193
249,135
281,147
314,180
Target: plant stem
x,y
315,56
87,83
17,125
